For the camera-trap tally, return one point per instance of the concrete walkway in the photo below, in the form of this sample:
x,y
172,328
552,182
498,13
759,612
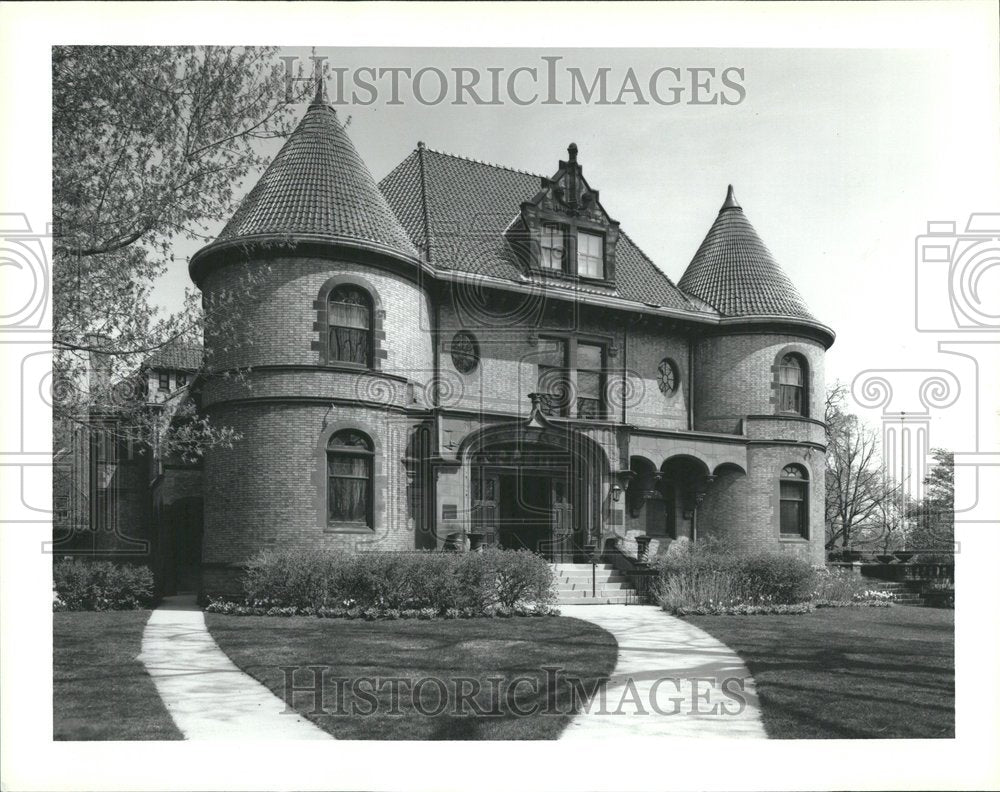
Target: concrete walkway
x,y
208,697
671,680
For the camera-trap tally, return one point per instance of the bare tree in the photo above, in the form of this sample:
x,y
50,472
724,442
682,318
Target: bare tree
x,y
855,486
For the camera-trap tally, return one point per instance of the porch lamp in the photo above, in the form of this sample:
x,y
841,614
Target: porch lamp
x,y
616,493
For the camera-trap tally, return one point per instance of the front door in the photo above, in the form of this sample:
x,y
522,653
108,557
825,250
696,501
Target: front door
x,y
485,497
562,521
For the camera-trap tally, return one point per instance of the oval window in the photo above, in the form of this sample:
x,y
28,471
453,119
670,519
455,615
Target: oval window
x,y
465,352
667,376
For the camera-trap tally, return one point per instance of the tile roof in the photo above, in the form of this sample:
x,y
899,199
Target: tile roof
x,y
734,272
318,185
467,205
174,356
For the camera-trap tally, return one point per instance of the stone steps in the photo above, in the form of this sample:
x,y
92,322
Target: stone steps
x,y
902,592
583,584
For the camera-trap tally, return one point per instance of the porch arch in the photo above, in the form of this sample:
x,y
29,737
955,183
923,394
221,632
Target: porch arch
x,y
506,469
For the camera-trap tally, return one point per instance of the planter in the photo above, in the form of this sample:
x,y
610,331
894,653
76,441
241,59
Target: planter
x,y
904,555
885,558
476,542
642,548
455,541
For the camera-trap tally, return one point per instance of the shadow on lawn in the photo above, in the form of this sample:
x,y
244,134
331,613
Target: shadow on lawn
x,y
476,650
849,673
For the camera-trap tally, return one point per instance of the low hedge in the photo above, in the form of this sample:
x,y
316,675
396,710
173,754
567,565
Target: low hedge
x,y
314,580
707,576
100,585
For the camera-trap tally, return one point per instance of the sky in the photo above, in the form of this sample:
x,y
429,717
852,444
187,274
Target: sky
x,y
838,157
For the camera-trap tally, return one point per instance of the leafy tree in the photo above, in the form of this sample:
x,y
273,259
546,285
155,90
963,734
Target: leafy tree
x,y
855,485
148,143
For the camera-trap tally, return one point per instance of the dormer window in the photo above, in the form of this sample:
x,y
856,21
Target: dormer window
x,y
590,255
553,247
563,231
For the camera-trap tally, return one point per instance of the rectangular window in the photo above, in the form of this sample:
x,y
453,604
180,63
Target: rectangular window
x,y
589,255
589,381
793,508
552,375
553,247
164,378
182,379
348,494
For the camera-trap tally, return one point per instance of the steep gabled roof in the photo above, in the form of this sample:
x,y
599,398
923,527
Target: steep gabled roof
x,y
318,186
456,211
735,273
174,356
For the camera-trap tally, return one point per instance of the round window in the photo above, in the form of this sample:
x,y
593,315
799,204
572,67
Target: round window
x,y
667,376
465,352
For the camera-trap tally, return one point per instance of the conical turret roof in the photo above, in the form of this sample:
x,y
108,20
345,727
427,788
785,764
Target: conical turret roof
x,y
735,273
319,187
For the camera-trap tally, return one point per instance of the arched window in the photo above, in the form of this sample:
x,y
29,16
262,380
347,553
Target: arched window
x,y
350,320
349,456
792,385
794,493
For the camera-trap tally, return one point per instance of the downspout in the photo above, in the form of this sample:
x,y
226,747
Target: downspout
x,y
427,476
690,378
625,376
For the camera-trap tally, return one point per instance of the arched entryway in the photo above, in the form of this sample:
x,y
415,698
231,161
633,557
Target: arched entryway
x,y
540,490
684,480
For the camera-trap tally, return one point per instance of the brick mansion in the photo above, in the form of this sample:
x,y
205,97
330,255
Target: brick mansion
x,y
465,355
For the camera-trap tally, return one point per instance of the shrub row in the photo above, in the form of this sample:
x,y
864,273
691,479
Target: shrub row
x,y
100,585
707,578
389,581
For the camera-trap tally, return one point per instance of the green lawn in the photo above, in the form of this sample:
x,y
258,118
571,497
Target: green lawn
x,y
849,672
411,650
100,691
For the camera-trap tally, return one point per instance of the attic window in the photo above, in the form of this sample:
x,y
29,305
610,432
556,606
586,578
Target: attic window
x,y
553,247
163,380
590,255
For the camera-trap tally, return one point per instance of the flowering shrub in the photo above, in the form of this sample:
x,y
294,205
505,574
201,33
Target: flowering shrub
x,y
100,585
873,595
743,609
837,585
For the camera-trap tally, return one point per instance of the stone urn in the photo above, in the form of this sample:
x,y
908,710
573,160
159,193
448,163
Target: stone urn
x,y
477,541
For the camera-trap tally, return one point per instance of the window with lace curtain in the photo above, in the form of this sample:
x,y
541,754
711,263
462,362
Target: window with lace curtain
x,y
350,322
791,385
349,456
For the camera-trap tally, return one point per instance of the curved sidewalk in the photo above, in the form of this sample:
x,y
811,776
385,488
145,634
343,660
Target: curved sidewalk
x,y
208,697
671,680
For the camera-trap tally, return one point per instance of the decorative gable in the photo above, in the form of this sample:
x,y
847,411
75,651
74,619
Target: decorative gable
x,y
564,232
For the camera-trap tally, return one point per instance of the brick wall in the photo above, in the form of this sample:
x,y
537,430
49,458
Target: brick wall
x,y
278,322
734,377
269,490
